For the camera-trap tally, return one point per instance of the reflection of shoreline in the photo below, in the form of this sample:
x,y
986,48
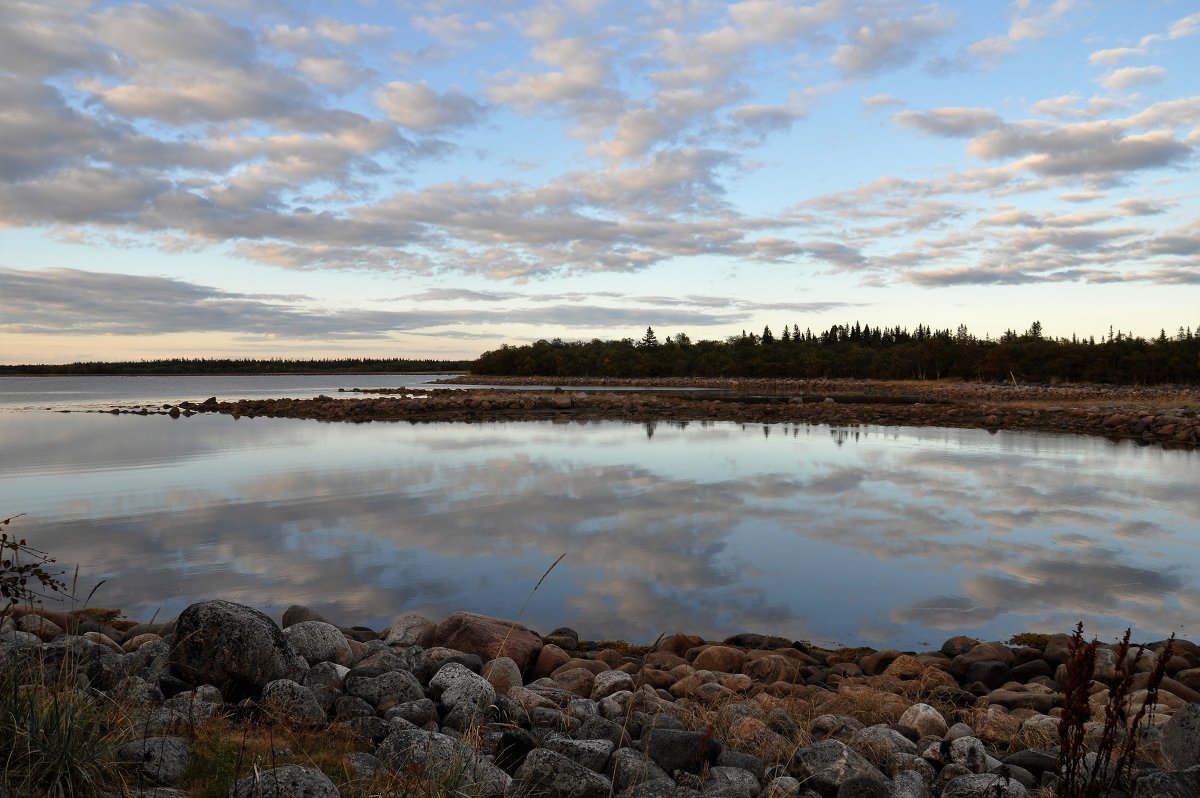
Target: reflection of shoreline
x,y
1147,415
708,529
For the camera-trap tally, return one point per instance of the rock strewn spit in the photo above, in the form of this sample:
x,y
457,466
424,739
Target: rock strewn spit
x,y
1168,416
749,717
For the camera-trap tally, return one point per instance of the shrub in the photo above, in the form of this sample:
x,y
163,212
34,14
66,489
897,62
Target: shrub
x,y
1093,774
25,581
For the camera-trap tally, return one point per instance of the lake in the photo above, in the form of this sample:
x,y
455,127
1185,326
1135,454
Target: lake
x,y
890,537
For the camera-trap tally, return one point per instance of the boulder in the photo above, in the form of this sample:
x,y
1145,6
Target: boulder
x,y
236,648
720,659
489,638
292,703
579,681
411,630
835,727
502,674
733,782
662,788
549,659
437,757
318,641
289,781
464,693
826,765
785,787
925,720
984,785
609,682
592,754
864,788
1169,784
679,749
550,774
393,687
628,768
162,760
1181,738
679,643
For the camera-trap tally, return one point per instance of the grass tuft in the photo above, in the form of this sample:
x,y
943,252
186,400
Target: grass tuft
x,y
58,740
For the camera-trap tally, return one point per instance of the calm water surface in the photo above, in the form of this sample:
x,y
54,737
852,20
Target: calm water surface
x,y
883,536
71,392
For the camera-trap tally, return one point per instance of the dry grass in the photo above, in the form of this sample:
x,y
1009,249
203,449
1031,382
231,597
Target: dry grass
x,y
224,752
55,738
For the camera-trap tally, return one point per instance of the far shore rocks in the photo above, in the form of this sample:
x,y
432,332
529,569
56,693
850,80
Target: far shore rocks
x,y
1167,416
491,707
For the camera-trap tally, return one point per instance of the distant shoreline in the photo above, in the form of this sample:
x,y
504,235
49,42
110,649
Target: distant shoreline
x,y
5,373
1167,417
232,367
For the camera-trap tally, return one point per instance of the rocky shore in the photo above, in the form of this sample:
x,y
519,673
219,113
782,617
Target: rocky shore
x,y
1164,416
480,706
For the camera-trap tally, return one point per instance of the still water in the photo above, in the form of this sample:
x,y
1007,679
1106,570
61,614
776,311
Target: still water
x,y
882,536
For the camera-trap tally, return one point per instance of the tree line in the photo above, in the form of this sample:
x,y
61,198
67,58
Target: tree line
x,y
864,352
233,366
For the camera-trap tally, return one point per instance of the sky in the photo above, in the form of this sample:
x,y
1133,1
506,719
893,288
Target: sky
x,y
434,179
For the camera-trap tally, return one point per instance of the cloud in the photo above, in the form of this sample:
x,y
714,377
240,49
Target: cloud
x,y
177,35
74,302
453,29
1067,106
949,121
45,133
889,43
264,137
418,107
1128,77
350,34
765,119
332,71
464,294
880,101
1187,26
1030,21
1101,149
42,39
1114,55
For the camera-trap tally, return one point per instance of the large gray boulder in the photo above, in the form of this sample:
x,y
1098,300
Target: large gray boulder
x,y
464,693
629,768
592,754
547,774
318,641
411,630
432,756
289,781
1169,784
825,765
391,688
984,785
236,648
293,704
679,749
1181,738
162,760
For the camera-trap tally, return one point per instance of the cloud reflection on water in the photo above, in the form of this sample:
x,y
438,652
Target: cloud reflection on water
x,y
895,537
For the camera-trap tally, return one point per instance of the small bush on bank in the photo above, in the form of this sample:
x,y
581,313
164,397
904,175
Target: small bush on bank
x,y
24,578
1095,771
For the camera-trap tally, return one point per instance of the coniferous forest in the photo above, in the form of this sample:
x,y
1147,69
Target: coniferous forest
x,y
865,352
182,366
